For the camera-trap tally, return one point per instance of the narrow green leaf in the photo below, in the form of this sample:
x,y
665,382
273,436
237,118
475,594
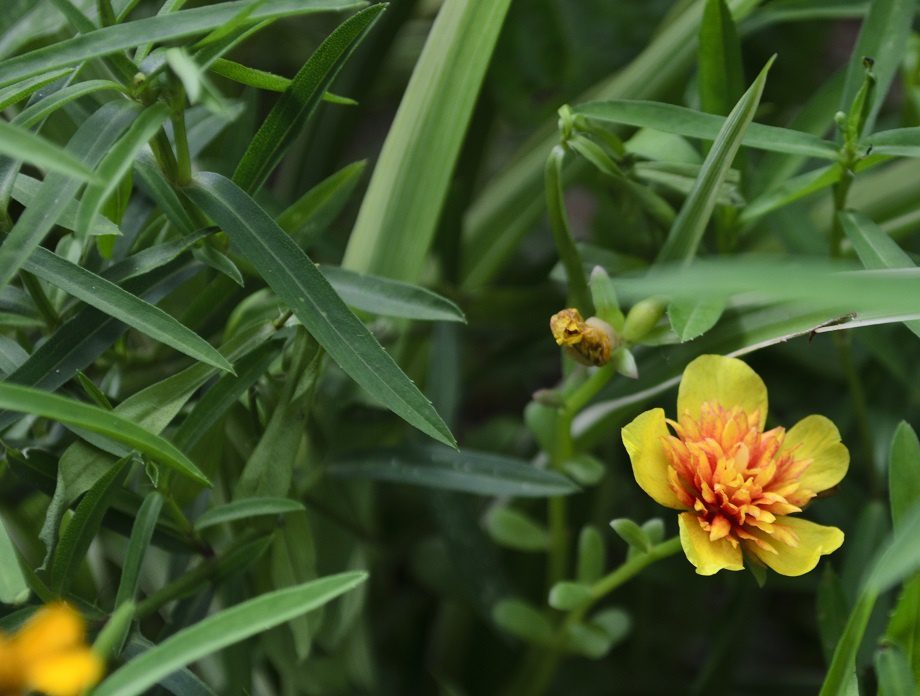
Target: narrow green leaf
x,y
903,472
295,279
247,508
687,231
13,586
721,73
225,628
21,144
900,142
84,525
696,124
904,626
883,38
397,219
89,144
119,304
159,29
390,298
145,522
843,665
875,248
789,191
229,388
298,101
43,108
221,263
510,203
318,207
19,91
97,420
464,470
118,162
893,670
26,190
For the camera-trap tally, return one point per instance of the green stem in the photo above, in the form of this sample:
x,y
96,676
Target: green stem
x,y
207,570
546,664
575,401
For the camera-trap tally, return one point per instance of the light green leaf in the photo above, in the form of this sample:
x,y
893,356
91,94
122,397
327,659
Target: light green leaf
x,y
247,508
43,108
117,162
90,143
514,530
84,525
390,298
687,231
894,673
696,124
225,628
883,38
97,420
721,73
26,190
318,207
591,555
875,248
464,470
21,144
145,521
159,29
396,223
19,91
900,142
295,279
298,101
523,621
510,203
692,318
116,302
569,595
13,586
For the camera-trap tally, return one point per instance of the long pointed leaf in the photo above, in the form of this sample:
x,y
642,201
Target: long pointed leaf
x,y
120,304
397,219
98,420
109,40
223,629
295,279
299,100
687,231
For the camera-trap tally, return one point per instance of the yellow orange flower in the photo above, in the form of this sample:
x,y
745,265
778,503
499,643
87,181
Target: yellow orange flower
x,y
589,341
737,484
48,655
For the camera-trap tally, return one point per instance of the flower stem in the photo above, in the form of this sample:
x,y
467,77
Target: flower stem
x,y
546,662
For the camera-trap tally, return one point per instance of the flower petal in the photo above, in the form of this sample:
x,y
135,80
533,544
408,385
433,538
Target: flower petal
x,y
709,557
11,676
643,441
65,674
728,381
53,628
817,438
814,541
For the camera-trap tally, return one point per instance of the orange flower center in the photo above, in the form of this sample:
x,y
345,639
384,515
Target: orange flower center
x,y
734,477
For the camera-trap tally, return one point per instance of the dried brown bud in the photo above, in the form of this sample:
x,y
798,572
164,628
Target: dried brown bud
x,y
590,341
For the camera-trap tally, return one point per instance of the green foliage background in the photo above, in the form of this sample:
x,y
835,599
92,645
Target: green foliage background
x,y
280,410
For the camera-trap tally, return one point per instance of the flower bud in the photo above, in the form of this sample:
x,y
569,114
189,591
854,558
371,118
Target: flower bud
x,y
590,342
642,318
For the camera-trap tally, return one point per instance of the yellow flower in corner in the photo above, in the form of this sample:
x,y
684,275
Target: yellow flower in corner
x,y
737,485
48,655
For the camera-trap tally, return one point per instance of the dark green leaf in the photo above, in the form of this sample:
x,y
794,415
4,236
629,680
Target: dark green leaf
x,y
295,279
464,470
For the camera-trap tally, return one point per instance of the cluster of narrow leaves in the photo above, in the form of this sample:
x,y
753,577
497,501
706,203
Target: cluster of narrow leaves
x,y
191,409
